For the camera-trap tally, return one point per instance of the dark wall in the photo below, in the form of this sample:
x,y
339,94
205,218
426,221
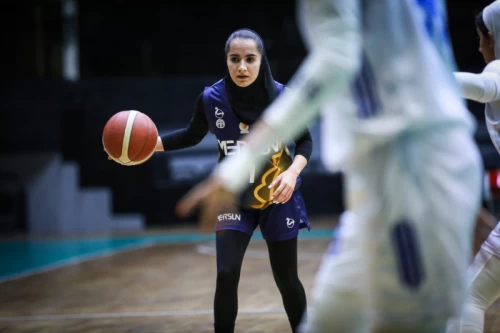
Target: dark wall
x,y
127,38
156,58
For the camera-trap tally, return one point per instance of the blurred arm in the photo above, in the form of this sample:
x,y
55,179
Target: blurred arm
x,y
332,30
484,87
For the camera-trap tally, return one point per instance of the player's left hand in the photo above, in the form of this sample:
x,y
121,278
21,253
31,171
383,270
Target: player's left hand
x,y
285,184
211,197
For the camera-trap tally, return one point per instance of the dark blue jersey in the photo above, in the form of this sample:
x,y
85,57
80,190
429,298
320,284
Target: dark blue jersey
x,y
230,133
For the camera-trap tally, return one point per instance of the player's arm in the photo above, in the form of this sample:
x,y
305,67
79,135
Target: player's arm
x,y
304,145
332,32
303,151
189,136
483,87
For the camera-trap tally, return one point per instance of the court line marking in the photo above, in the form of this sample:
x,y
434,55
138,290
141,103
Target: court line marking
x,y
259,254
77,260
130,315
138,314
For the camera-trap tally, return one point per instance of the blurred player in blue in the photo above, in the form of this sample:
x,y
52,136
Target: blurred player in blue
x,y
381,74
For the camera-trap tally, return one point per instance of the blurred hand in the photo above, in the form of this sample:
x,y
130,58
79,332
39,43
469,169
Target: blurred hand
x,y
285,185
212,198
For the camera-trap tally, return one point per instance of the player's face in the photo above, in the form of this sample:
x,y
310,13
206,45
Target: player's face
x,y
486,46
243,61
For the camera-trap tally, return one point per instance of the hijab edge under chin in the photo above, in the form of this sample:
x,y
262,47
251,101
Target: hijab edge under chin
x,y
252,100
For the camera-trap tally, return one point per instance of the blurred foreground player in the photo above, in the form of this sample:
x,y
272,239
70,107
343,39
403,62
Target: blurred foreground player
x,y
273,201
399,129
483,276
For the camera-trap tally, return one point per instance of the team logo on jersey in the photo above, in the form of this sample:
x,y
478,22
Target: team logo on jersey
x,y
244,128
220,123
219,113
229,217
290,222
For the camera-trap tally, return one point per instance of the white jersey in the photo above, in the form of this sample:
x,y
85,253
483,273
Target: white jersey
x,y
485,88
376,69
403,84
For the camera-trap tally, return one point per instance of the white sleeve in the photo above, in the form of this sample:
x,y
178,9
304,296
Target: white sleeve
x,y
332,32
484,87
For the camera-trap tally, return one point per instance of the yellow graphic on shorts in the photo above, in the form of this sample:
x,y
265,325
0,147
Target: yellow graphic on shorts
x,y
267,178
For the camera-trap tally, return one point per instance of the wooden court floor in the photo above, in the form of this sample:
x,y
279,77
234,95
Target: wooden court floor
x,y
159,288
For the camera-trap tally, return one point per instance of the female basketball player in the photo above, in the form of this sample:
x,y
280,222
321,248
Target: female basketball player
x,y
228,109
484,273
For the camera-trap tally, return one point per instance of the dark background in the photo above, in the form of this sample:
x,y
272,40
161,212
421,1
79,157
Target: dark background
x,y
156,57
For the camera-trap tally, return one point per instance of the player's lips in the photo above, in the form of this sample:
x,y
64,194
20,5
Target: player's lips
x,y
242,76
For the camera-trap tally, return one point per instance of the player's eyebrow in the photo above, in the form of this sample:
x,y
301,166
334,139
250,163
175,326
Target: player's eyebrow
x,y
237,55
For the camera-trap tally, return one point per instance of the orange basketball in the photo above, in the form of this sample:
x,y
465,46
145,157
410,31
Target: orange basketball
x,y
130,137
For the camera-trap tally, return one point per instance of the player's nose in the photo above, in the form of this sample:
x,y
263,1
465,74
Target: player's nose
x,y
242,68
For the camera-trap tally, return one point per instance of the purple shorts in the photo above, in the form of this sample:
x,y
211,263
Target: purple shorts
x,y
277,222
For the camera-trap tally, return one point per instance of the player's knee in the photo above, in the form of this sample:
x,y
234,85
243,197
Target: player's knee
x,y
470,321
286,281
477,301
479,298
228,275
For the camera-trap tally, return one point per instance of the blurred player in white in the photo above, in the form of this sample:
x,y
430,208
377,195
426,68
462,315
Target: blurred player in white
x,y
395,123
483,276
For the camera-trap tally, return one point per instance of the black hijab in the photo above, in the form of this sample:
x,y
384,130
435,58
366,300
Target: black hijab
x,y
248,103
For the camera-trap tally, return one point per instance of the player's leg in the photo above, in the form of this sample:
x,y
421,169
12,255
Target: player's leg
x,y
420,231
283,258
233,234
483,290
485,223
338,296
280,226
230,246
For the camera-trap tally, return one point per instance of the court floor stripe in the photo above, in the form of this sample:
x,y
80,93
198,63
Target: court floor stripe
x,y
130,315
20,258
124,315
258,254
72,261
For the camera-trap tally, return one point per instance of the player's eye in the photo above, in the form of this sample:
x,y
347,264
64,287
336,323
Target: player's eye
x,y
235,59
250,60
